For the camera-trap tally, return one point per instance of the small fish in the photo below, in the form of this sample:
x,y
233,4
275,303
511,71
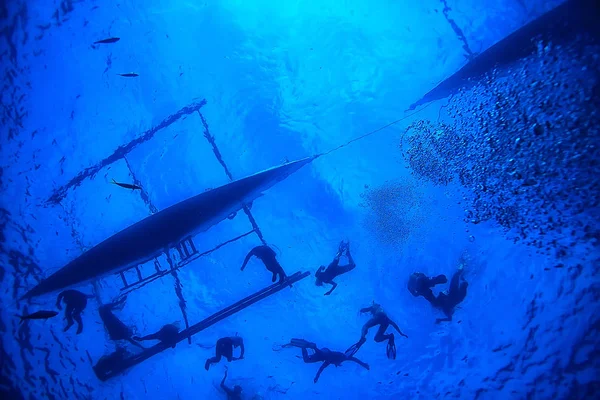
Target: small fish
x,y
129,75
126,185
109,40
38,315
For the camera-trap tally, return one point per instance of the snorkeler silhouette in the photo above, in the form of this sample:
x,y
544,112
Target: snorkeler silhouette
x,y
334,269
379,318
224,348
420,285
167,334
116,329
324,355
232,394
75,303
267,256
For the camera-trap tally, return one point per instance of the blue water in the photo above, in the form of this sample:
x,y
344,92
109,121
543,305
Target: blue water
x,y
267,82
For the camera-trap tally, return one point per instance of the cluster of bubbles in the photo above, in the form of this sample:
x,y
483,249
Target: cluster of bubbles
x,y
524,144
394,209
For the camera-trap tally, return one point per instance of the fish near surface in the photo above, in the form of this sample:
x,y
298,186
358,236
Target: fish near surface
x,y
43,314
126,185
107,41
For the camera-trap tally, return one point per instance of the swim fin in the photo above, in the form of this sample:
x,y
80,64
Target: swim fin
x,y
352,350
391,348
301,343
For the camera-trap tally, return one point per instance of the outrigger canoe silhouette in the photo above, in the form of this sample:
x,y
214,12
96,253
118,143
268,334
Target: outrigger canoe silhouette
x,y
148,238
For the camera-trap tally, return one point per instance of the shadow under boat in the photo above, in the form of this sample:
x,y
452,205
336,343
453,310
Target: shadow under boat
x,y
148,238
565,23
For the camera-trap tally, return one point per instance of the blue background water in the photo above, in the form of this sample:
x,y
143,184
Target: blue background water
x,y
281,80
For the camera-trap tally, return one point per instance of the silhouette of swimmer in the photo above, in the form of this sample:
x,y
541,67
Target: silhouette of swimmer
x,y
232,394
324,355
225,349
167,334
334,269
267,256
75,303
379,318
112,362
420,285
116,329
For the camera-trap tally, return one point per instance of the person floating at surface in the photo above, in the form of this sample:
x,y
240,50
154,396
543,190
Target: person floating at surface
x,y
334,269
75,303
167,334
116,329
420,285
324,355
232,394
267,256
224,348
379,318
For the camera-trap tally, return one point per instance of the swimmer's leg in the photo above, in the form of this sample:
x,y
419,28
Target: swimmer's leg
x,y
68,316
77,318
212,360
381,336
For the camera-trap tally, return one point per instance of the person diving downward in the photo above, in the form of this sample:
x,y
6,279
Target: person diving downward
x,y
334,269
379,317
324,355
268,257
420,285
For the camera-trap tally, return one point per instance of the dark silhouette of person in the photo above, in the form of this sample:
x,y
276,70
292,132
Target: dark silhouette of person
x,y
111,362
324,355
168,334
224,348
232,394
379,317
116,329
75,303
268,256
334,269
420,285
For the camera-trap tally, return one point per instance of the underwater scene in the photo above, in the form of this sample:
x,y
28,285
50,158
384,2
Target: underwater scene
x,y
226,199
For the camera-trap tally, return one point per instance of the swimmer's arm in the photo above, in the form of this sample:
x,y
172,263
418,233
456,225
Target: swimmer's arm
x,y
224,387
323,366
252,252
59,299
367,309
332,283
398,329
242,353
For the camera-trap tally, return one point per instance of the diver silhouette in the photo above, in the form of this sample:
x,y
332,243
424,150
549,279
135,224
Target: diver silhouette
x,y
324,355
224,348
379,317
167,334
232,394
268,257
420,285
334,269
116,329
75,303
